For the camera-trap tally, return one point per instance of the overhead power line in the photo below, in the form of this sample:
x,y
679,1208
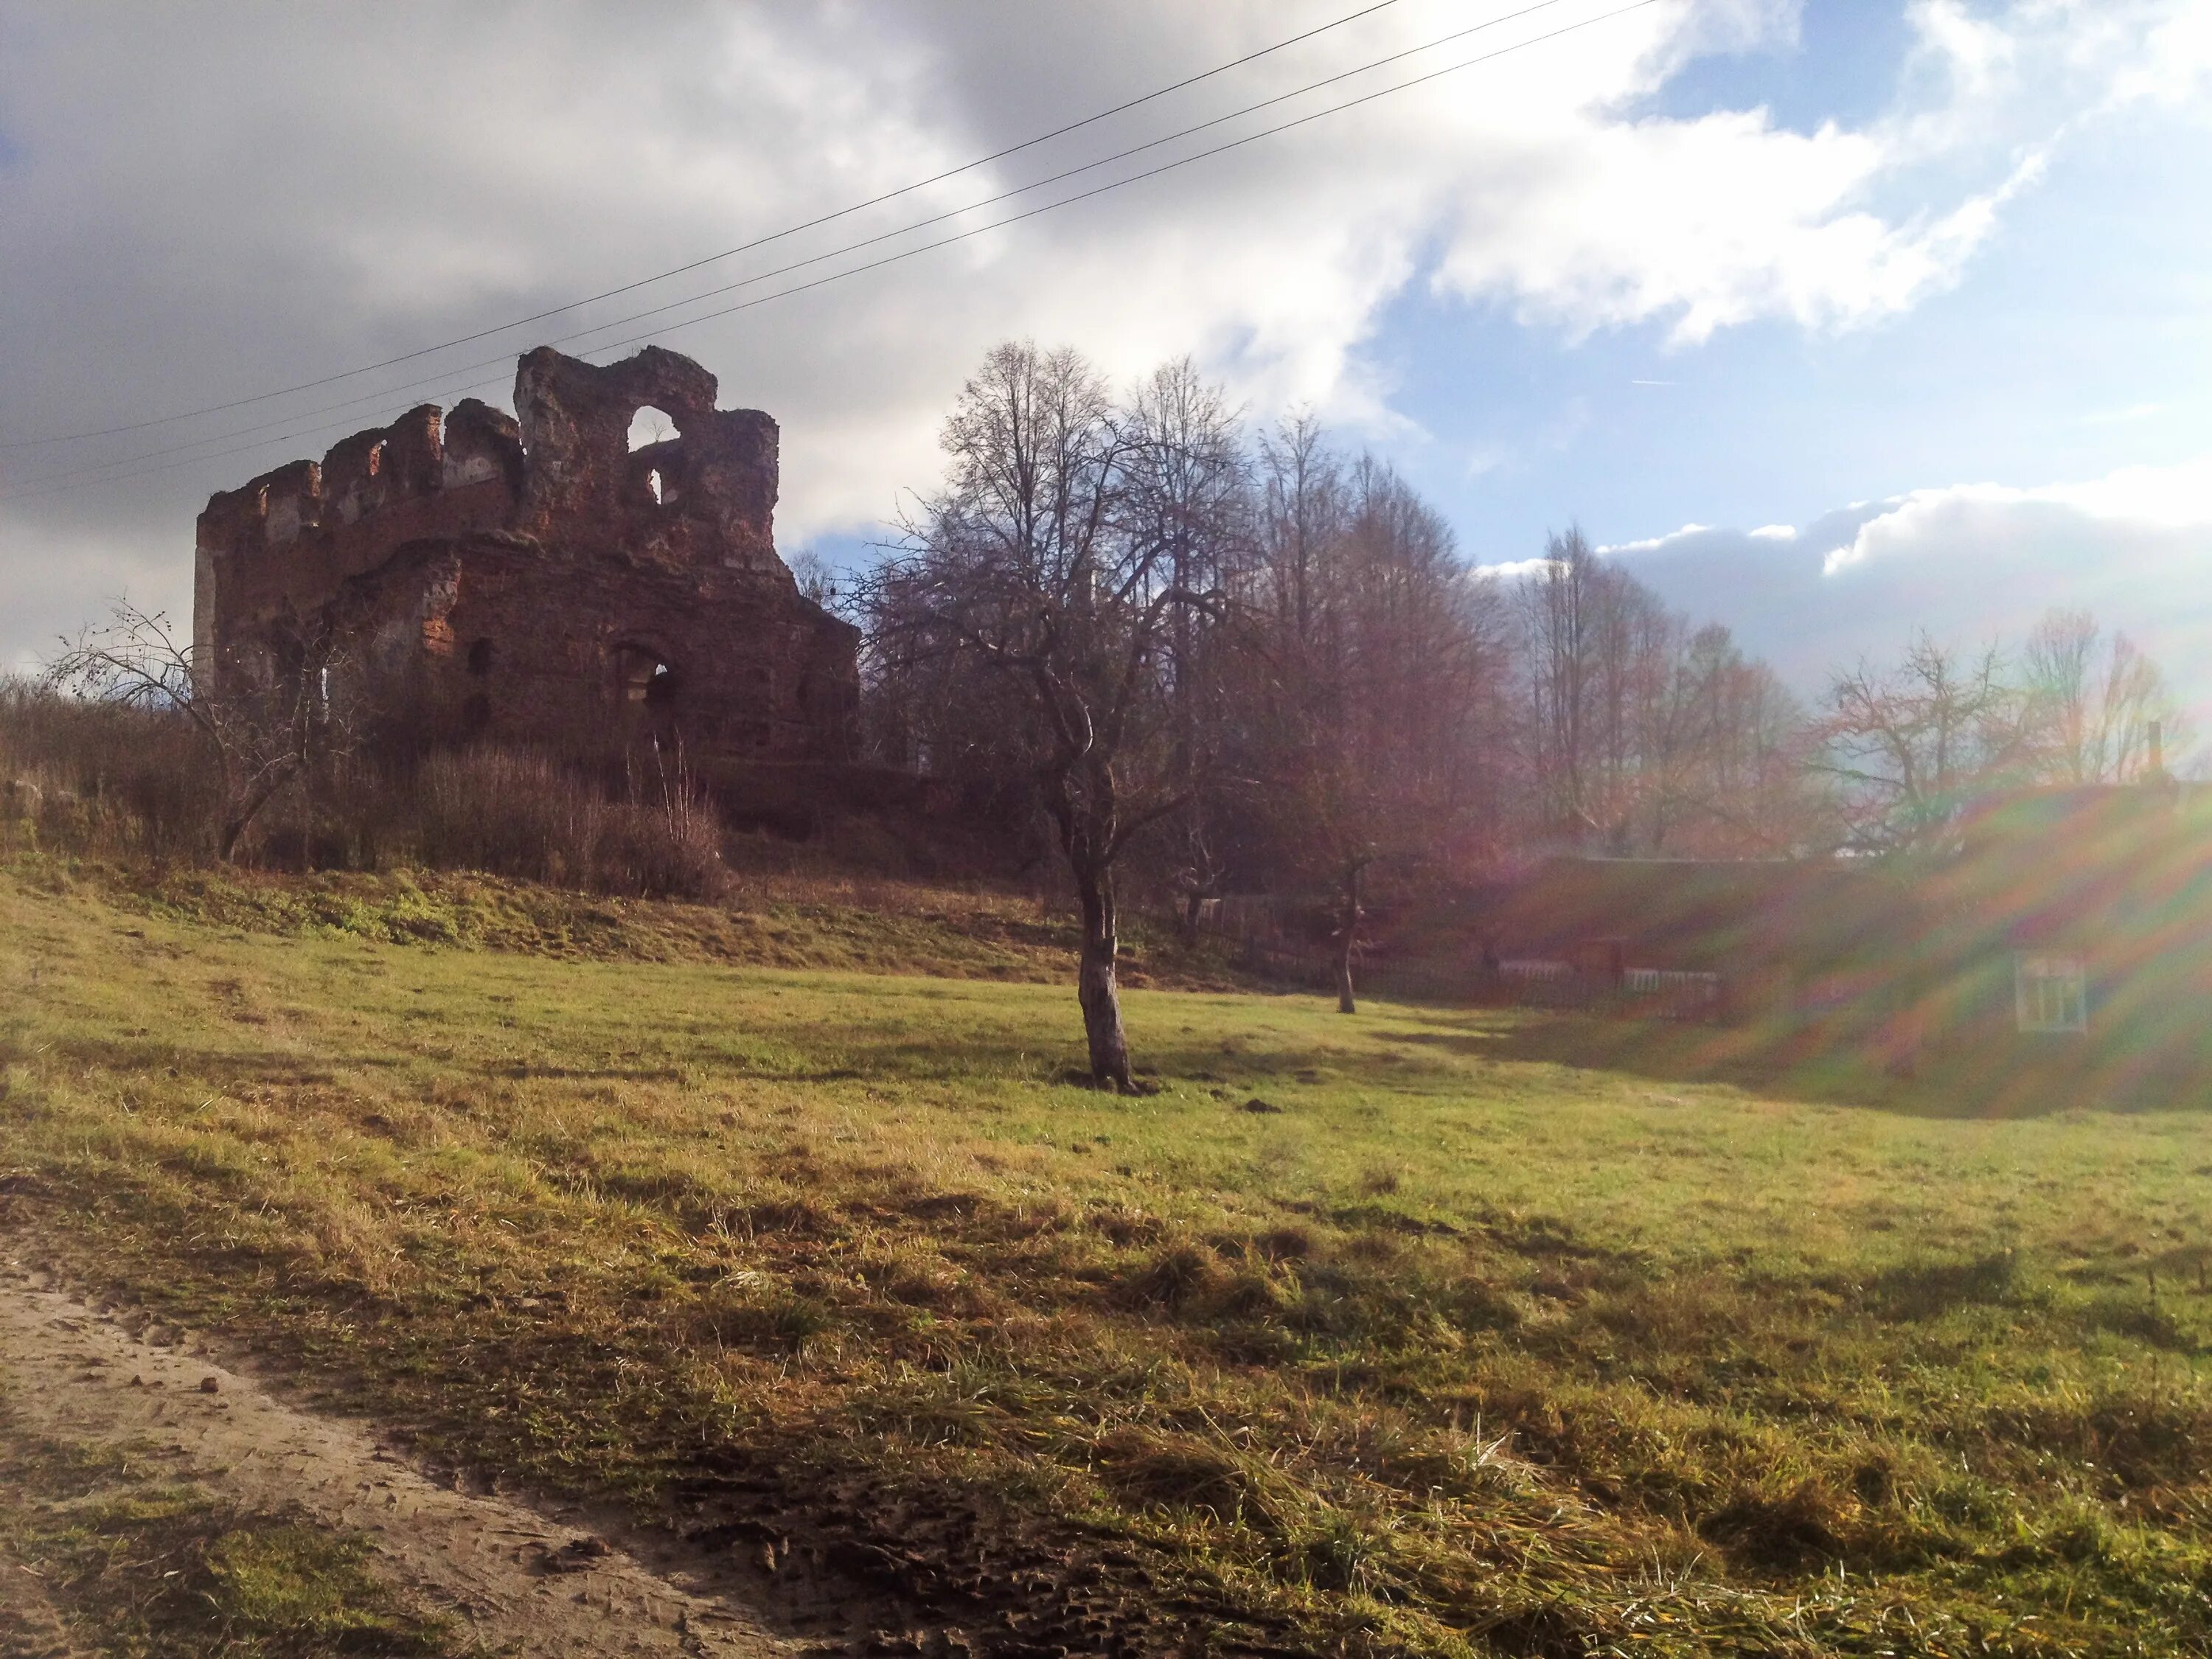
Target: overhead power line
x,y
443,377
726,253
895,259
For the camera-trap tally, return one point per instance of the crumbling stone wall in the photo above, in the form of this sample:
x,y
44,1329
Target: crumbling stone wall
x,y
534,579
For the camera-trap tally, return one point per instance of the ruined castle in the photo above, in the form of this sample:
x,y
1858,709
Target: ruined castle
x,y
534,579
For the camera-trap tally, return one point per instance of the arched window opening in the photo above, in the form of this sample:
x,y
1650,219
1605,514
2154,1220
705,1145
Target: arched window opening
x,y
480,655
375,459
650,426
652,483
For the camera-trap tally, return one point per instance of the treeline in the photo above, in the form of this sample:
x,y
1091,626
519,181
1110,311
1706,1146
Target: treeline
x,y
1232,661
1315,673
1330,678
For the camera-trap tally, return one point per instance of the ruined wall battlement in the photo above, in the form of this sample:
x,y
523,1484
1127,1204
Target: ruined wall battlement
x,y
291,536
596,577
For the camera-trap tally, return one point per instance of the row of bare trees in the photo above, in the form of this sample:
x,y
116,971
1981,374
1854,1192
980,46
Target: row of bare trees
x,y
1905,746
1642,734
1259,663
1131,617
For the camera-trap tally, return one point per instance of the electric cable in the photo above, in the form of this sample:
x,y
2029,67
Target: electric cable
x,y
712,258
443,375
52,484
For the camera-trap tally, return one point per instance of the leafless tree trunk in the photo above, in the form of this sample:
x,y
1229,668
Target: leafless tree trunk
x,y
1347,935
1097,989
1054,562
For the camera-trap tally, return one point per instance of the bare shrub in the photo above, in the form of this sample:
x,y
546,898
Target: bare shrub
x,y
262,726
507,812
664,840
90,778
513,812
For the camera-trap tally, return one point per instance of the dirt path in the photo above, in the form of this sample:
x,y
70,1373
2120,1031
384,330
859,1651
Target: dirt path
x,y
518,1580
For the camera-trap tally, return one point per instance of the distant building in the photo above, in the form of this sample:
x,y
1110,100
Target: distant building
x,y
2075,913
2066,928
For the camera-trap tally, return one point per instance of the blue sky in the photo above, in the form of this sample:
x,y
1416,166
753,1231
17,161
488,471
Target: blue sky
x,y
1738,264
2079,341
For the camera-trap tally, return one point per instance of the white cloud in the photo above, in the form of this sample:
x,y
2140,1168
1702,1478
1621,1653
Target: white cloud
x,y
1967,562
2136,499
1510,569
242,198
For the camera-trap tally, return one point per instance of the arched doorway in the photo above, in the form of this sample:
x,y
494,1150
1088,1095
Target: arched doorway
x,y
649,690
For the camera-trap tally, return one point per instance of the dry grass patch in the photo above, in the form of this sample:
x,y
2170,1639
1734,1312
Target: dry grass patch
x,y
840,1257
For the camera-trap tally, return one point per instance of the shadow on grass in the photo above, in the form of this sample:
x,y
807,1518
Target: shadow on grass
x,y
217,1065
1815,1068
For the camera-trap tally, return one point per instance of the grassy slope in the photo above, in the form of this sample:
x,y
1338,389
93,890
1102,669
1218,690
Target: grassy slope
x,y
1461,1347
856,924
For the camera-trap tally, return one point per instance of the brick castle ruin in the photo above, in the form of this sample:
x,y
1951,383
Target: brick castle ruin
x,y
534,579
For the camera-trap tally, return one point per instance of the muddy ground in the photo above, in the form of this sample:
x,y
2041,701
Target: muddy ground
x,y
513,1576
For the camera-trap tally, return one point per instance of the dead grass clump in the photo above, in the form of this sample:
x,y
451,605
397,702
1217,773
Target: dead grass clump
x,y
663,840
1249,1296
1172,1471
1673,1316
1119,1224
2139,1439
1335,1551
682,1197
90,778
801,1217
1177,1276
938,1207
758,1317
915,1277
512,812
1376,1248
138,784
1474,1303
1786,1531
1285,1244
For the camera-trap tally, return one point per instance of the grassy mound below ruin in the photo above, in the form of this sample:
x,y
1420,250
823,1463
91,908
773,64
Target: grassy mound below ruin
x,y
846,923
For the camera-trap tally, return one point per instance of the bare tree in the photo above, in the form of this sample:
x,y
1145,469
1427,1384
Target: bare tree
x,y
1037,563
265,723
1562,606
1722,747
1185,492
2091,701
817,579
1910,743
1379,658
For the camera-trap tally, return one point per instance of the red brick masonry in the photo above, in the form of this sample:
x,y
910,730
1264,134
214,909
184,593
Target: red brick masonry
x,y
535,580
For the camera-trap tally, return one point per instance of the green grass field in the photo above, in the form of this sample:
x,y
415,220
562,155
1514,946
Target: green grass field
x,y
1420,1331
